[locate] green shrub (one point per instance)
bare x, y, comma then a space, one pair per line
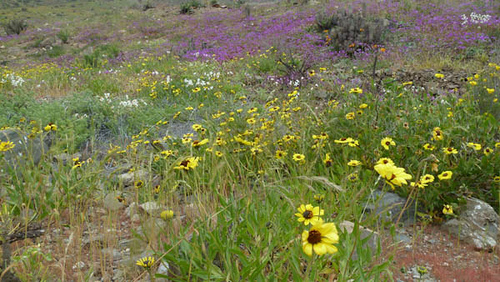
15, 26
186, 9
345, 28
55, 51
64, 36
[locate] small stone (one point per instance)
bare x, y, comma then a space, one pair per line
79, 265
113, 202
152, 208
135, 218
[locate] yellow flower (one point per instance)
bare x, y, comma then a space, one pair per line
251, 121
343, 140
450, 150
6, 146
50, 127
386, 142
418, 184
280, 154
487, 151
428, 147
319, 198
197, 89
138, 184
474, 146
219, 154
439, 75
354, 163
437, 134
320, 239
167, 153
188, 163
392, 174
445, 175
363, 106
356, 90
497, 145
196, 127
473, 83
309, 214
353, 143
327, 161
428, 178
490, 90
447, 209
496, 179
197, 143
350, 115
146, 262
167, 214
299, 158
353, 177
385, 161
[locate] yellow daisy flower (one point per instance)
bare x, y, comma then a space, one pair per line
320, 239
309, 214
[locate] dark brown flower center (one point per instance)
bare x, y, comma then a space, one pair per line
392, 176
307, 214
314, 237
445, 174
387, 143
185, 163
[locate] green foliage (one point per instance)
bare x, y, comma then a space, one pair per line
55, 51
15, 26
186, 9
345, 28
64, 35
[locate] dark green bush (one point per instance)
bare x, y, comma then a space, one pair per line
346, 28
15, 26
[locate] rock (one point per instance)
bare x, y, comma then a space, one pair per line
131, 210
477, 225
65, 158
388, 206
421, 273
129, 178
402, 238
25, 149
348, 226
47, 42
163, 270
79, 265
114, 201
152, 208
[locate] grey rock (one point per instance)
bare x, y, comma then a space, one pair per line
388, 206
112, 201
402, 238
129, 178
348, 226
65, 158
79, 265
152, 208
26, 149
477, 225
424, 277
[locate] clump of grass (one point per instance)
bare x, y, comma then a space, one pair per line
15, 26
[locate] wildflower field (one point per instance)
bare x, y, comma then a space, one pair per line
243, 141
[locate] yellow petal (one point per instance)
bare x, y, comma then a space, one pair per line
307, 248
